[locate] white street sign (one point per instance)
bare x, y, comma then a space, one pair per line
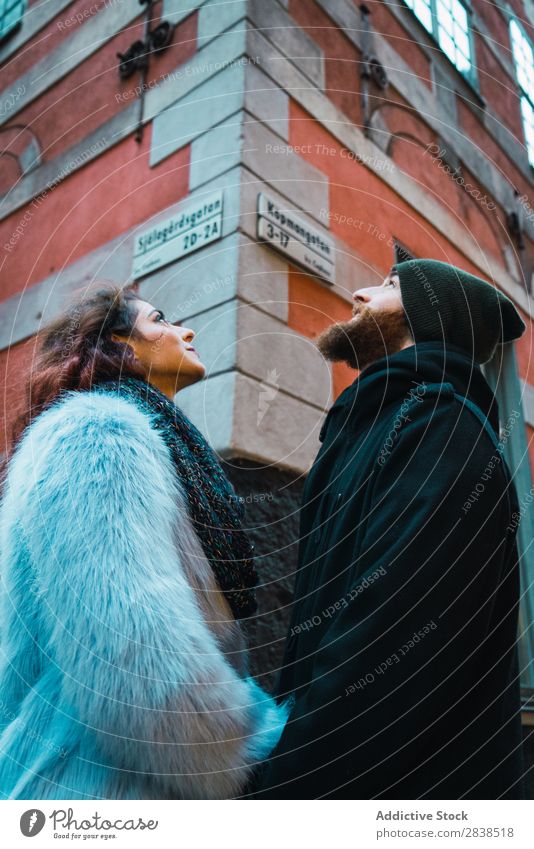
195, 225
295, 238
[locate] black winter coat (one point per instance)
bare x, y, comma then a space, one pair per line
402, 650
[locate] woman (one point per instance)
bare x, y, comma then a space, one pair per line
124, 571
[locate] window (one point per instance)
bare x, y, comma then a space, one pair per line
453, 33
528, 126
524, 68
401, 253
501, 374
448, 22
11, 12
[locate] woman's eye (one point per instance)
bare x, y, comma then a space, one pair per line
161, 317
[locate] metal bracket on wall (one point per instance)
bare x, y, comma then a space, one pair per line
136, 57
516, 229
371, 70
513, 223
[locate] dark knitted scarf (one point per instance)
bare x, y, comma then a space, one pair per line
215, 509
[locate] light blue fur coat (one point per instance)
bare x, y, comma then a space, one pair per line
122, 671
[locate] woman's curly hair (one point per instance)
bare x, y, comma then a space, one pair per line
76, 351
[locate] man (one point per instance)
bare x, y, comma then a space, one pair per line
402, 656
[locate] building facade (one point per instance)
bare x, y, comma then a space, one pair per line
246, 166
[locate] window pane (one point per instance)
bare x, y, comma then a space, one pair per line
453, 33
524, 59
421, 8
462, 62
447, 45
459, 15
528, 125
445, 20
461, 39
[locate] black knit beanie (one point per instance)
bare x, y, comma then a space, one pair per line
443, 302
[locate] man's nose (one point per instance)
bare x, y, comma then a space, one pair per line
361, 296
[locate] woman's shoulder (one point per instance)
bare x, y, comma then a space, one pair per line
89, 425
76, 410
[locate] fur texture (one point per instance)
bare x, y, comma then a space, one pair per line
122, 672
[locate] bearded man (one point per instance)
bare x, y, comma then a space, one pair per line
402, 659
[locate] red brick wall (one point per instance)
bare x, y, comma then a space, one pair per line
378, 214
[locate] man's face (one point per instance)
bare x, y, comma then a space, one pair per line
378, 327
385, 298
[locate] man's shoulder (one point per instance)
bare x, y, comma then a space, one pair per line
437, 412
443, 402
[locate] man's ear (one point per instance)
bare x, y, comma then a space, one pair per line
409, 333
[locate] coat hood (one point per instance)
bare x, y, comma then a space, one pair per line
389, 380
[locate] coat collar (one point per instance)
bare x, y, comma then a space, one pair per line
390, 379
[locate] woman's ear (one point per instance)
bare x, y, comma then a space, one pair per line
124, 340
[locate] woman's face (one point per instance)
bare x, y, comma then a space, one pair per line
164, 349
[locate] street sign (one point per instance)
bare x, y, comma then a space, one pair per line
292, 236
197, 224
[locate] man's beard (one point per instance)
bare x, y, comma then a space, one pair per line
369, 337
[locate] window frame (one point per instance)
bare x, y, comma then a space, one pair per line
401, 252
523, 93
471, 76
18, 23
